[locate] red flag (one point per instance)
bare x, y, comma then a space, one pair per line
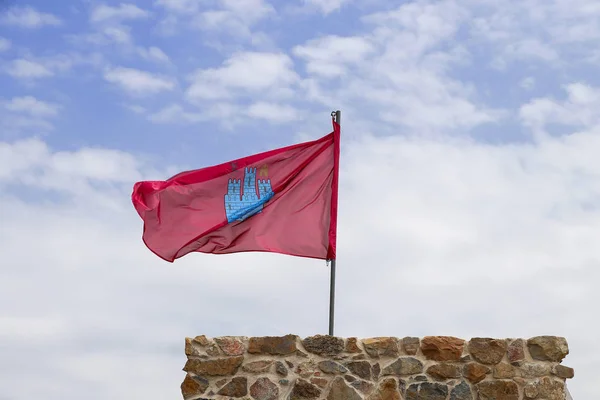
280, 201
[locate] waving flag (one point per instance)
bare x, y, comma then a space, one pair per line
280, 201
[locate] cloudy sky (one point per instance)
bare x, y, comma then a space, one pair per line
470, 180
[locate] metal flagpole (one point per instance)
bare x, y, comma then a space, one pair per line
338, 117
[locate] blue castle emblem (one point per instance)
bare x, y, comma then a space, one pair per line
242, 205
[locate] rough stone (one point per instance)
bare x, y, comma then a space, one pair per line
462, 391
362, 369
193, 386
289, 364
376, 370
563, 372
516, 351
404, 366
237, 387
281, 369
427, 391
411, 345
387, 390
531, 390
486, 350
256, 367
548, 348
284, 382
381, 346
534, 370
363, 386
320, 382
359, 357
504, 371
498, 390
213, 350
475, 372
306, 369
217, 367
323, 345
444, 371
220, 383
275, 345
264, 389
550, 389
442, 348
420, 378
202, 340
190, 348
331, 367
231, 346
352, 345
304, 390
341, 391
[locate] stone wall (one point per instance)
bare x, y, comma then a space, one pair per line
384, 368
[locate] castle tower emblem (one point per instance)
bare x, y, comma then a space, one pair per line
240, 205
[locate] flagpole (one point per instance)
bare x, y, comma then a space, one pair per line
338, 117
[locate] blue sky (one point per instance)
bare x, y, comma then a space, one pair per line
469, 176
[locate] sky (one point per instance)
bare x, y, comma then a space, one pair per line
469, 177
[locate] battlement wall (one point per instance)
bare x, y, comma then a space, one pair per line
382, 368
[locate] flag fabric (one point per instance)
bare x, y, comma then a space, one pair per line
281, 201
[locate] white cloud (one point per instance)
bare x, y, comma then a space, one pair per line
243, 73
125, 11
4, 44
139, 82
26, 69
326, 6
175, 114
32, 106
330, 56
179, 6
153, 53
527, 83
578, 110
272, 112
28, 17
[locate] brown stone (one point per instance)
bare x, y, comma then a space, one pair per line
516, 351
498, 390
411, 345
444, 371
324, 345
442, 348
213, 350
281, 369
341, 391
256, 367
217, 367
362, 369
220, 383
190, 348
504, 371
193, 386
237, 387
320, 382
534, 370
352, 345
231, 346
363, 386
486, 350
376, 369
381, 346
387, 390
548, 348
427, 391
551, 389
331, 367
404, 366
475, 372
306, 369
275, 345
201, 340
304, 390
264, 389
531, 390
563, 372
349, 378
